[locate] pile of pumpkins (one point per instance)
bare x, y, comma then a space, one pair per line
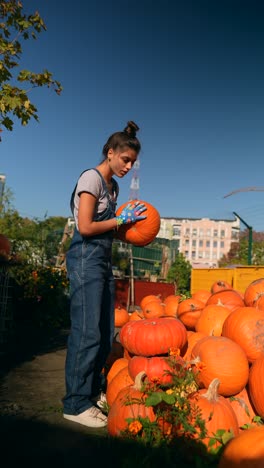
222, 331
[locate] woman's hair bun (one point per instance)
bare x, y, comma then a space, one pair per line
131, 129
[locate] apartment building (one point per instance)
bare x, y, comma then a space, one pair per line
202, 241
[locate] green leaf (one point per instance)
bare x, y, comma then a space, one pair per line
154, 399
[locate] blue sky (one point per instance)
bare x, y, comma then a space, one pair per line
190, 73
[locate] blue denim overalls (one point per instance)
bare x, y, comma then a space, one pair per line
92, 289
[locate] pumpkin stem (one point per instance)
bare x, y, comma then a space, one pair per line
212, 391
139, 380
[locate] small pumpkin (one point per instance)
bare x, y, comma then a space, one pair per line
220, 285
115, 368
228, 298
142, 232
121, 316
189, 310
253, 292
120, 380
211, 319
202, 295
153, 309
171, 303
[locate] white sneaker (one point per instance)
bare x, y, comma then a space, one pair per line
100, 400
92, 417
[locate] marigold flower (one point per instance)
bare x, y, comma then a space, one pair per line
135, 427
200, 366
169, 391
174, 351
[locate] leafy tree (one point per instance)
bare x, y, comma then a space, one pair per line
238, 253
180, 274
16, 26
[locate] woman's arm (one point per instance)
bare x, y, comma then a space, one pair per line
86, 225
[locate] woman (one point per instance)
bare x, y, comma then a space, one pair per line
89, 269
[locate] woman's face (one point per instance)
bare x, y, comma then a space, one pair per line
121, 161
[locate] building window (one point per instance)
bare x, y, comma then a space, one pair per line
215, 233
215, 244
207, 243
200, 243
176, 230
223, 233
200, 254
186, 253
193, 253
187, 231
208, 232
194, 243
235, 233
194, 232
201, 233
187, 242
222, 244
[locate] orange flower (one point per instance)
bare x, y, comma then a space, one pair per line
174, 351
135, 427
200, 365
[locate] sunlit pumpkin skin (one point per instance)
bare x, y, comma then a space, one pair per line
215, 410
153, 309
120, 380
115, 368
245, 326
219, 357
211, 319
253, 292
121, 410
192, 338
243, 408
171, 305
228, 298
256, 385
202, 295
121, 316
136, 315
152, 337
157, 369
149, 298
189, 310
244, 451
220, 285
142, 232
259, 303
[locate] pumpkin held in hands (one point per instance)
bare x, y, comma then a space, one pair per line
142, 232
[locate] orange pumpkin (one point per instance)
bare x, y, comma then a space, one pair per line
228, 298
189, 310
142, 232
202, 295
156, 368
129, 403
153, 309
253, 292
120, 380
171, 303
121, 316
220, 285
219, 357
149, 298
215, 410
244, 451
243, 408
245, 326
136, 315
211, 319
192, 338
151, 337
256, 385
119, 364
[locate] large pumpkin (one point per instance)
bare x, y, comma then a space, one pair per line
151, 337
216, 411
256, 385
245, 326
222, 358
129, 403
253, 292
211, 319
157, 368
244, 451
188, 312
142, 232
228, 298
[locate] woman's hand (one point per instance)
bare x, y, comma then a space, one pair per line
131, 213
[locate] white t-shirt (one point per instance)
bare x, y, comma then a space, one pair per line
91, 182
